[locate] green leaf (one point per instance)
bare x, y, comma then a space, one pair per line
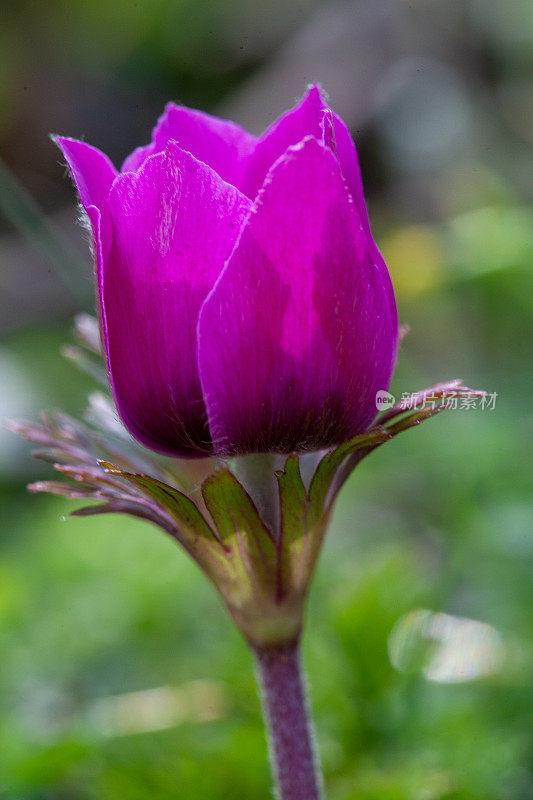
251, 584
296, 538
331, 463
414, 419
240, 526
190, 522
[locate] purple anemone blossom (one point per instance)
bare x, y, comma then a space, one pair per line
244, 306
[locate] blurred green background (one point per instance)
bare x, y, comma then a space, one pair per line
121, 676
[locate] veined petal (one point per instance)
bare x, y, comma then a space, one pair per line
102, 252
137, 157
297, 335
92, 172
305, 119
339, 139
219, 143
175, 223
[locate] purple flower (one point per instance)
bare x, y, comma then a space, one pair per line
244, 306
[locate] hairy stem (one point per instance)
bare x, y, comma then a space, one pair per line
286, 713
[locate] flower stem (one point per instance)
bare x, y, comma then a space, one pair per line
285, 709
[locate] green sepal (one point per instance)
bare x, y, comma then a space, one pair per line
300, 537
251, 581
182, 510
332, 462
192, 530
414, 419
305, 514
238, 523
237, 552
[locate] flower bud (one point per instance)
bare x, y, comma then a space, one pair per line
244, 306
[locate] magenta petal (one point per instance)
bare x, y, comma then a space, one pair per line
138, 156
92, 172
219, 143
175, 223
339, 139
305, 119
297, 336
103, 254
91, 169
